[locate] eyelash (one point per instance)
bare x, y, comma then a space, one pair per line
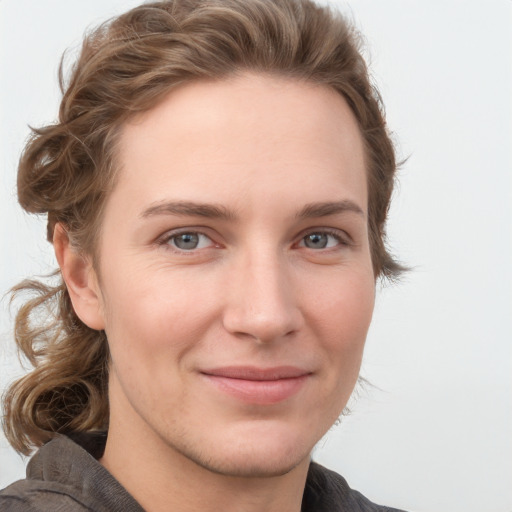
342, 238
166, 240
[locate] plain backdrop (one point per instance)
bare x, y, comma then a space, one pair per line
435, 431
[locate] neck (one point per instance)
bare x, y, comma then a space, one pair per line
160, 478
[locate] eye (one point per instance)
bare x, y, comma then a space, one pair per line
321, 240
189, 241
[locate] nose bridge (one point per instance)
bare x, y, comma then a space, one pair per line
261, 303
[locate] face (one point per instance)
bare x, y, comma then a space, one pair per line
235, 278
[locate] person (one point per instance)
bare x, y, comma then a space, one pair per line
216, 188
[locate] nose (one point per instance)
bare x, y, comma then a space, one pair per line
261, 301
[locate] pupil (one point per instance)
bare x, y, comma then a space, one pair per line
316, 240
186, 241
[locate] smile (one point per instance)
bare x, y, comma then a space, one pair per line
256, 385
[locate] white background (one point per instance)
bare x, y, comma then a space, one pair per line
435, 434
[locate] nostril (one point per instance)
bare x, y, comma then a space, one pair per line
264, 327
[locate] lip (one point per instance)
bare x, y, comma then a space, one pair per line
260, 386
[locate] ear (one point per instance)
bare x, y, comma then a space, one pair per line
81, 280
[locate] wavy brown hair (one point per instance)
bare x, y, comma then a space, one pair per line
126, 66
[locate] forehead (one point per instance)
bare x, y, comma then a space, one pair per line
239, 137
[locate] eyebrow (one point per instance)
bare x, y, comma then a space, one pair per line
189, 208
313, 210
218, 211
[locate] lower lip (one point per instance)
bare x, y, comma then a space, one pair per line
259, 392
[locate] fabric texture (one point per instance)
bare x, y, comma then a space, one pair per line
65, 476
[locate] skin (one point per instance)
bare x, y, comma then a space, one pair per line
260, 290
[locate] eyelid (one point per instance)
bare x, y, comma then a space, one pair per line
164, 239
344, 238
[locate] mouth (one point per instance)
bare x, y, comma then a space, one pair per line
259, 386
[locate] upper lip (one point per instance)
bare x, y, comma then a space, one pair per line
255, 373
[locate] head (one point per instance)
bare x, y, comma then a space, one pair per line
129, 69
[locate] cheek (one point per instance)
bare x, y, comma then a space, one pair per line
148, 310
340, 317
344, 314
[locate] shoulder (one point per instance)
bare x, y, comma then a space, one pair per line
65, 475
327, 491
52, 482
32, 496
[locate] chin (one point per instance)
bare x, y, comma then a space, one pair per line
257, 453
245, 465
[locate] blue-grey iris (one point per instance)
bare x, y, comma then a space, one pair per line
186, 241
316, 240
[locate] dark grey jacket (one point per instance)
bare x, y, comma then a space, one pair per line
65, 476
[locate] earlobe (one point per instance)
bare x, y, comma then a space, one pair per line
81, 280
